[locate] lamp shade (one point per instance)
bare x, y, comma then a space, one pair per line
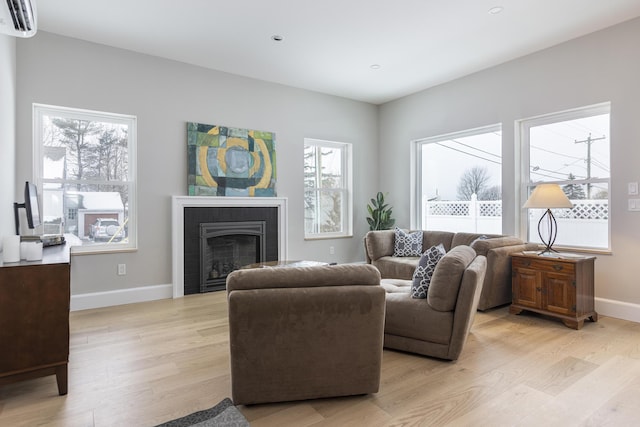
548, 196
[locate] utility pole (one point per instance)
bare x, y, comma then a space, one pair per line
589, 141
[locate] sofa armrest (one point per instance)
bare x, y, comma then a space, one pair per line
378, 244
482, 246
497, 284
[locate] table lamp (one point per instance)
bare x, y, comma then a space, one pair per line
548, 196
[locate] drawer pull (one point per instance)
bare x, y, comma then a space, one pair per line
526, 263
557, 267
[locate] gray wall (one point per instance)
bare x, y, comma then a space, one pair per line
603, 66
164, 95
7, 134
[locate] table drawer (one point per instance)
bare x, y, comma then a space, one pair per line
550, 265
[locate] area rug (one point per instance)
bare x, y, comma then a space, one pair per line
224, 414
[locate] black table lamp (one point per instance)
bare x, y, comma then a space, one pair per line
548, 196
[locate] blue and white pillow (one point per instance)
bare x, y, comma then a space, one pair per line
407, 244
424, 271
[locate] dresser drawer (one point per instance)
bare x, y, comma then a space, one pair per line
547, 265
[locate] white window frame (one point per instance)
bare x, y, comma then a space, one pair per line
523, 127
346, 189
40, 110
416, 167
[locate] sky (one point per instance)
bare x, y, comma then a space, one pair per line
445, 161
557, 150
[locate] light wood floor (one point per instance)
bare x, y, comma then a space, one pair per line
143, 364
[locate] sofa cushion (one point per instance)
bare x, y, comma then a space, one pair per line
407, 244
424, 271
396, 267
432, 238
445, 283
463, 238
393, 286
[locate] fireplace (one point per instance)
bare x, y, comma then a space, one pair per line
226, 222
227, 246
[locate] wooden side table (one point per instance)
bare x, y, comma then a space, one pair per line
34, 318
554, 286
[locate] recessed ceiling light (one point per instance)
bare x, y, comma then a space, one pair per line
495, 10
277, 38
374, 66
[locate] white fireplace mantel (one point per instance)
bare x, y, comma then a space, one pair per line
178, 204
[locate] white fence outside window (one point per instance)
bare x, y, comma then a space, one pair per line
585, 225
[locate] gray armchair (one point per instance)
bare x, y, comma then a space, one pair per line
438, 325
305, 332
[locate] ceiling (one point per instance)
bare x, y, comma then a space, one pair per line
329, 46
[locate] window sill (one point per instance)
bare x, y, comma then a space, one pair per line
326, 237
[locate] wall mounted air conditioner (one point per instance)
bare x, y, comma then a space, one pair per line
18, 18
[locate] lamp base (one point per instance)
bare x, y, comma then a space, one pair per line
548, 251
552, 226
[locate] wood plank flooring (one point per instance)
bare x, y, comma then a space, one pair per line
143, 364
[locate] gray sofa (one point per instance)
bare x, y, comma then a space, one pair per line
438, 325
497, 249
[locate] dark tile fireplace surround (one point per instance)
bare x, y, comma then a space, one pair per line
218, 240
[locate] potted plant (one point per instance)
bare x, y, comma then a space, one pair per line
379, 214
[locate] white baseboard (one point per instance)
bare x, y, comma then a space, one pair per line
604, 307
618, 309
120, 297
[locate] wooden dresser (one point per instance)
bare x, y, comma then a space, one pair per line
34, 318
558, 287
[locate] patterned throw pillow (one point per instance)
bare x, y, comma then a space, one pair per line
424, 271
407, 244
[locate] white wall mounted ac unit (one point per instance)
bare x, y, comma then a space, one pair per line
18, 18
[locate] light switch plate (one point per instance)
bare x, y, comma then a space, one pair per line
632, 188
634, 204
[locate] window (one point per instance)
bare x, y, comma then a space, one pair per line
570, 149
458, 181
84, 165
327, 189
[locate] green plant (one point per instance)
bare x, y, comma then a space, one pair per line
379, 214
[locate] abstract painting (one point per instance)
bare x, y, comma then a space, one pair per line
226, 161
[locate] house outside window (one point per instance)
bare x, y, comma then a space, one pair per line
84, 166
327, 189
458, 181
571, 149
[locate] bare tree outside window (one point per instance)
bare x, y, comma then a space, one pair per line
477, 180
459, 177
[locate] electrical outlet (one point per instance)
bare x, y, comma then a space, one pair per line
122, 269
332, 250
632, 188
